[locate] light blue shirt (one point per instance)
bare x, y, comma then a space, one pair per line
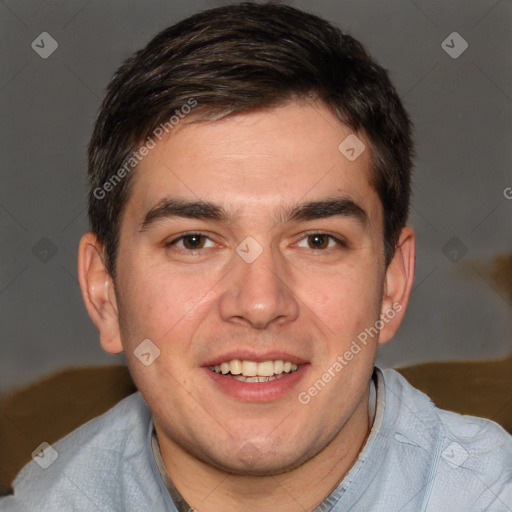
417, 458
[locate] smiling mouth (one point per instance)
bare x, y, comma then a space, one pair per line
252, 371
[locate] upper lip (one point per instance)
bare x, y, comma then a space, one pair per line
252, 356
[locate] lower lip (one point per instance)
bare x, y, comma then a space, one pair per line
258, 391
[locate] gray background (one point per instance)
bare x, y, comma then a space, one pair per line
461, 109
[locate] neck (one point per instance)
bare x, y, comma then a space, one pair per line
208, 489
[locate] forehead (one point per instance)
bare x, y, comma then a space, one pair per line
258, 161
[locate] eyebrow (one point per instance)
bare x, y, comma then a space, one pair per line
169, 208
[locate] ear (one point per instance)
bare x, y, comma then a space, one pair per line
398, 284
98, 292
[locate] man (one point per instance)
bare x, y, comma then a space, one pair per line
249, 190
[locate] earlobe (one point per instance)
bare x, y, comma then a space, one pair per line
98, 294
398, 284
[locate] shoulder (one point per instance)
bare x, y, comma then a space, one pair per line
483, 435
476, 458
93, 465
471, 466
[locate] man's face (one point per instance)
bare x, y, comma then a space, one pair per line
198, 287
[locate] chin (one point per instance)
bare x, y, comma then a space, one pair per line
251, 461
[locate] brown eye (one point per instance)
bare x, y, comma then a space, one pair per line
321, 241
318, 241
191, 242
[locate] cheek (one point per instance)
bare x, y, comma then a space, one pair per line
346, 301
160, 309
164, 307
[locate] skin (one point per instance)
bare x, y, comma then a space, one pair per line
224, 453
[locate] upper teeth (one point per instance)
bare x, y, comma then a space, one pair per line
253, 368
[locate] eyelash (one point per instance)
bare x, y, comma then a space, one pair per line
341, 243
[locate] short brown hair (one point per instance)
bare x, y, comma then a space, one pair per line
242, 57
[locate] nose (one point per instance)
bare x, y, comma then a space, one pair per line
259, 293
